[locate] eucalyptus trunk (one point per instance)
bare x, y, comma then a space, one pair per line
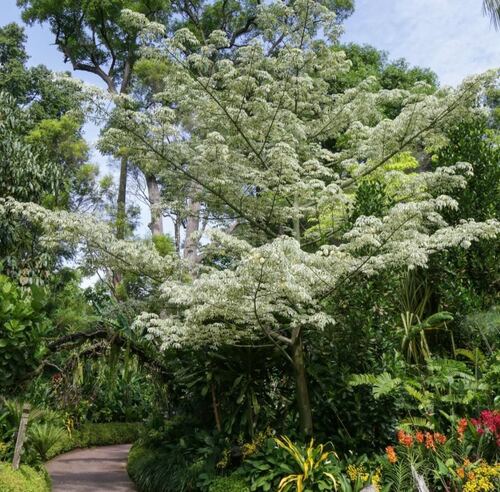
154, 197
121, 211
192, 227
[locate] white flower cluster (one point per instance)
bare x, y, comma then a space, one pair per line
269, 146
94, 239
252, 131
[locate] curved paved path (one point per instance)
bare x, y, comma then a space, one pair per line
100, 469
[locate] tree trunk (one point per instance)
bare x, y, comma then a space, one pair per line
177, 234
121, 206
301, 388
192, 227
156, 224
215, 406
121, 211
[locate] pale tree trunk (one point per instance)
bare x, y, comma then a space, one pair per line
301, 388
192, 228
121, 211
154, 197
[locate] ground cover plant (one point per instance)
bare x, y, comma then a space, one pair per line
324, 315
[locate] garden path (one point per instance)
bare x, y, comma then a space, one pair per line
101, 469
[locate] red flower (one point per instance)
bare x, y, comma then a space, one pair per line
429, 441
439, 438
489, 421
419, 436
405, 439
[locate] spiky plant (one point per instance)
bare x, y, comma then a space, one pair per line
43, 437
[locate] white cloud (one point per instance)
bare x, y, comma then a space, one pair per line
452, 37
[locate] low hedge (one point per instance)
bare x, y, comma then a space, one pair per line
90, 435
232, 483
166, 470
26, 479
162, 470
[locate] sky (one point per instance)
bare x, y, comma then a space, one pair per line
451, 37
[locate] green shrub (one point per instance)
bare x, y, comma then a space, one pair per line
482, 330
105, 434
26, 479
265, 467
89, 435
23, 328
232, 483
163, 470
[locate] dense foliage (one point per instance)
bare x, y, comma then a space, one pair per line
25, 479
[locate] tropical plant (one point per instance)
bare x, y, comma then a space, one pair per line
312, 466
442, 390
43, 437
23, 328
265, 466
415, 326
482, 329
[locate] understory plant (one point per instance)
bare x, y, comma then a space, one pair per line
43, 437
463, 459
312, 464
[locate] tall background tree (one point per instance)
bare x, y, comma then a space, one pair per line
93, 37
44, 157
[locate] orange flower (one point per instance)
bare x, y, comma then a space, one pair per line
462, 425
405, 439
391, 454
419, 436
429, 441
439, 438
461, 473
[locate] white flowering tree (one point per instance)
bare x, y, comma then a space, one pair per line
254, 133
276, 159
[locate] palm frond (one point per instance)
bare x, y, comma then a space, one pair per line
491, 8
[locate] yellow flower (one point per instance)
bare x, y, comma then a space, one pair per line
377, 479
224, 461
3, 448
354, 472
481, 479
248, 449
